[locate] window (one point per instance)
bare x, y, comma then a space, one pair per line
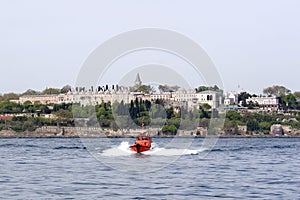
209, 98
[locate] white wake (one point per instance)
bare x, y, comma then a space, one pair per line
124, 150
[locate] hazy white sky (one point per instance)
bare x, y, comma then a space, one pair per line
254, 44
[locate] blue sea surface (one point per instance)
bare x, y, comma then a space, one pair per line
236, 168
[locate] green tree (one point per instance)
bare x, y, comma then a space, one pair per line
158, 111
65, 114
170, 112
122, 109
233, 115
51, 91
45, 109
65, 89
206, 88
252, 125
144, 88
20, 118
202, 88
203, 111
290, 101
169, 129
148, 105
174, 121
10, 96
252, 105
205, 106
31, 92
242, 97
265, 126
10, 107
297, 94
104, 114
276, 90
166, 88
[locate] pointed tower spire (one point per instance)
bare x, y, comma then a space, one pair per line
138, 81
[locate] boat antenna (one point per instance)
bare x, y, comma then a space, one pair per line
143, 125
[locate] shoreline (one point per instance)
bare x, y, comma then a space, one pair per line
157, 137
71, 132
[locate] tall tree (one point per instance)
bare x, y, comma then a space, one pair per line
31, 92
242, 97
276, 90
205, 88
297, 94
166, 88
10, 96
145, 89
202, 88
51, 91
65, 89
290, 101
252, 125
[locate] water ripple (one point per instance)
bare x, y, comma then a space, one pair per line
235, 169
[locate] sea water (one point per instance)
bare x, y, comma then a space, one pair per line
235, 168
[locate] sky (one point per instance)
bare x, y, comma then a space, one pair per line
253, 44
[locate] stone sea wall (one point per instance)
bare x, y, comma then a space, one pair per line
54, 131
65, 132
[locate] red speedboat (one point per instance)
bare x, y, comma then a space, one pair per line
142, 143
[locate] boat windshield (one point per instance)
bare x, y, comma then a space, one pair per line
142, 138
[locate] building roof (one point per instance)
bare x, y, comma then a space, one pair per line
208, 92
5, 117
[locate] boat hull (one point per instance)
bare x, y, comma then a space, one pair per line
142, 143
139, 148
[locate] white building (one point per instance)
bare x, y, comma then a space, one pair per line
193, 99
231, 99
43, 99
190, 98
161, 96
213, 98
265, 103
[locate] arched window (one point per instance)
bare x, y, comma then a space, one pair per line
209, 97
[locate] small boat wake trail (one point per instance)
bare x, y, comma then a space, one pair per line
124, 150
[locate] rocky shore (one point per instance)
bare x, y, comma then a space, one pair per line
71, 132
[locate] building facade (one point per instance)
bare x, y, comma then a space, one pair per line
190, 98
265, 103
43, 99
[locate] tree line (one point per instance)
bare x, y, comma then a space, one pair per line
150, 113
158, 113
287, 99
29, 116
14, 96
